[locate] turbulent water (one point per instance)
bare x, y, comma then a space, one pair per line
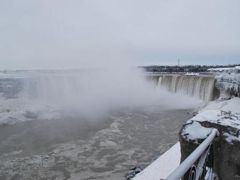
201, 87
75, 149
62, 125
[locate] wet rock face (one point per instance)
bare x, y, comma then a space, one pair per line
226, 148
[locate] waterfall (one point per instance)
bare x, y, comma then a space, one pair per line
201, 87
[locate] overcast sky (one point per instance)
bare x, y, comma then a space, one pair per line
80, 33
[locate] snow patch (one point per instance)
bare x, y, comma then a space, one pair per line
195, 131
226, 113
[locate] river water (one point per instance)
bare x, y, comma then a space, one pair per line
104, 148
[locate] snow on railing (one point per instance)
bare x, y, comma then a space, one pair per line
200, 154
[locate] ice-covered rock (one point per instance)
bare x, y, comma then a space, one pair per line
229, 83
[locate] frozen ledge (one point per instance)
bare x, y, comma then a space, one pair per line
163, 166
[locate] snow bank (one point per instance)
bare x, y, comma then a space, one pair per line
226, 113
222, 112
225, 69
163, 166
195, 131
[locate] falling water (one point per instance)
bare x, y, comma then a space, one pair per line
201, 87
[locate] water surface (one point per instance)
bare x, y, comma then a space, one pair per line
76, 148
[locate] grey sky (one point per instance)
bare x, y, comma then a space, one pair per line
80, 33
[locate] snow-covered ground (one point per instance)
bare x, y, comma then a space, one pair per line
221, 112
226, 69
163, 166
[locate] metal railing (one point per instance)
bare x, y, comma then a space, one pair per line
199, 155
